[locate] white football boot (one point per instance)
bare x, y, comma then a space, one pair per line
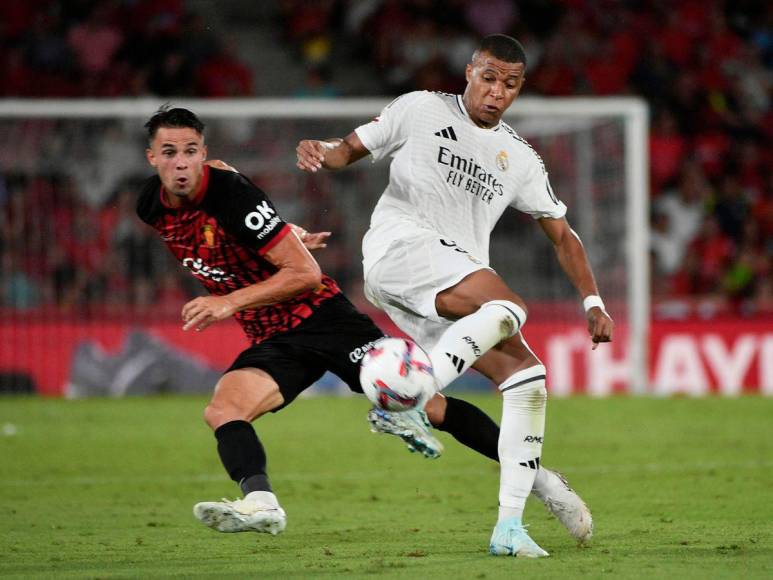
412, 426
259, 511
563, 502
510, 538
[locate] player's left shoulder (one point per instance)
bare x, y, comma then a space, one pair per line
523, 149
438, 103
232, 195
224, 177
230, 184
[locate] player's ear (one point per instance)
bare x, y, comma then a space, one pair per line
468, 72
204, 152
150, 156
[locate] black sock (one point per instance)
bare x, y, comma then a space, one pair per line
243, 456
471, 427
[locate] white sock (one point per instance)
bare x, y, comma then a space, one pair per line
469, 338
520, 438
540, 483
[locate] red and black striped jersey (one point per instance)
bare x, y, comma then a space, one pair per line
221, 237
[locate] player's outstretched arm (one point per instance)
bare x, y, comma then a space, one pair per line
574, 261
297, 272
313, 155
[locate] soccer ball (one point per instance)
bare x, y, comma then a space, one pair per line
396, 375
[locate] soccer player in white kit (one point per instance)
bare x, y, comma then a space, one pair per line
455, 168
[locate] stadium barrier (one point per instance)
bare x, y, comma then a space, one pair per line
691, 358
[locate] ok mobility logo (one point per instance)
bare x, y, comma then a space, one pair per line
468, 175
263, 220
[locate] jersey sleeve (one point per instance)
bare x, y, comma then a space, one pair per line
247, 213
535, 196
385, 134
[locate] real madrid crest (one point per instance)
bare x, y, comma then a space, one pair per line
502, 161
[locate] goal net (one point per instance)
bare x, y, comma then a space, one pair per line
75, 260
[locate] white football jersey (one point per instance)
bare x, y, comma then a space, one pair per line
450, 176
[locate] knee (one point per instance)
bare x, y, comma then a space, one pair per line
242, 395
217, 414
436, 410
511, 316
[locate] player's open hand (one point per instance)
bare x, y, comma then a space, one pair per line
311, 154
600, 326
200, 312
312, 241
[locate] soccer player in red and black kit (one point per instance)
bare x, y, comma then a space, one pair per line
226, 231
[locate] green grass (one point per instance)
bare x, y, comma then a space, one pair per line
104, 489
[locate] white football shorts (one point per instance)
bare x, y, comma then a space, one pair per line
405, 282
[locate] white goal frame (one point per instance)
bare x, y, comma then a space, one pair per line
634, 111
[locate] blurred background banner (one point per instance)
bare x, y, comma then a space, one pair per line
653, 119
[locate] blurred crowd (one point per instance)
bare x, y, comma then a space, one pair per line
103, 259
118, 48
704, 66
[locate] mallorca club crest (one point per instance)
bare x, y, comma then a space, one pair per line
208, 233
207, 240
502, 162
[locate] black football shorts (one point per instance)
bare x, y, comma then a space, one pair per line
334, 338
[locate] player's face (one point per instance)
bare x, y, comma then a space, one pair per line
492, 86
178, 154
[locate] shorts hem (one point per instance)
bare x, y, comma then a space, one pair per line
450, 283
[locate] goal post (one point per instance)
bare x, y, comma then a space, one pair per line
595, 150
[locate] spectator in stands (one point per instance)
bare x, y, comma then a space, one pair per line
172, 75
667, 249
223, 75
490, 16
95, 42
668, 149
684, 208
732, 209
46, 45
318, 84
18, 289
19, 78
708, 256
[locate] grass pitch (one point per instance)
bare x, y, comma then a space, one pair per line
104, 489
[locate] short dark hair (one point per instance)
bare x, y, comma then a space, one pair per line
166, 116
503, 47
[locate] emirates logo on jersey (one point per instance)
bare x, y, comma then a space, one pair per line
502, 161
468, 175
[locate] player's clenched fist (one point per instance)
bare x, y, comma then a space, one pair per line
311, 154
204, 310
600, 326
